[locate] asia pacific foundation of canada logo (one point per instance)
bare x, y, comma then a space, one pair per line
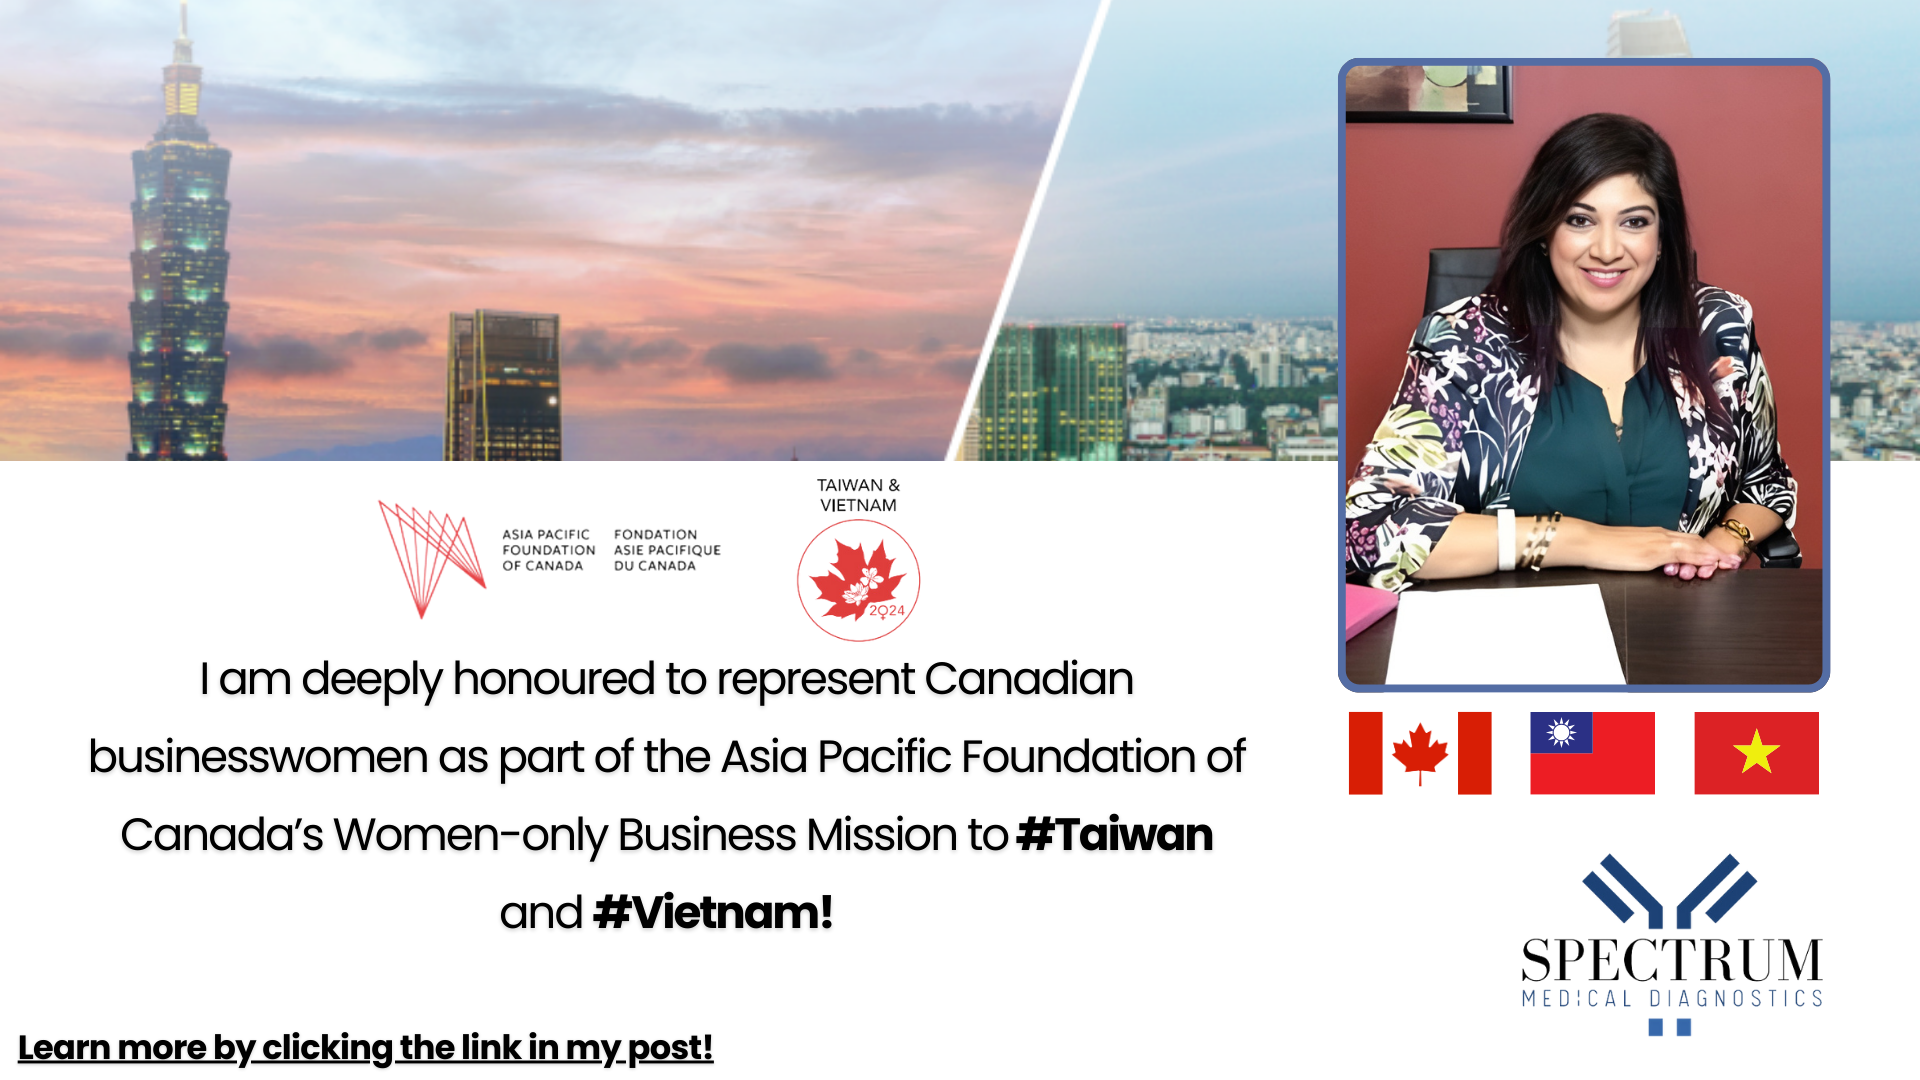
858, 580
425, 542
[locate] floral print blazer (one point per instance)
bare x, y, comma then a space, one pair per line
1459, 424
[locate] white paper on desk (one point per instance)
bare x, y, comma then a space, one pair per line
1541, 634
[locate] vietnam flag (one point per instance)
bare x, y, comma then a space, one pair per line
1740, 753
1373, 751
1592, 753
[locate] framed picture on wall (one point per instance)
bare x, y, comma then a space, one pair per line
1429, 94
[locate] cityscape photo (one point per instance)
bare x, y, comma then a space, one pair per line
358, 231
1194, 208
1164, 389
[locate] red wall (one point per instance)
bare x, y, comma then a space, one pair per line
1749, 144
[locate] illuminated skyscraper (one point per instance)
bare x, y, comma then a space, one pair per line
1054, 393
179, 307
503, 387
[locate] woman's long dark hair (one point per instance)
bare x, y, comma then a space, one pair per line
1576, 157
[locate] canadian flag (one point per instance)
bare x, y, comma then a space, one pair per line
1373, 752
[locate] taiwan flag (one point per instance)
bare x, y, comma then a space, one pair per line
1419, 755
1592, 753
1759, 753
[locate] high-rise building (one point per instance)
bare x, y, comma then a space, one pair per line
503, 387
179, 308
1642, 33
1055, 393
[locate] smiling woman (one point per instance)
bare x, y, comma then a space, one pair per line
1596, 388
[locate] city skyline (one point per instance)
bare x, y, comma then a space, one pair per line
1874, 400
1164, 389
821, 248
785, 247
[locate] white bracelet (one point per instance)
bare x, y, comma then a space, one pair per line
1505, 519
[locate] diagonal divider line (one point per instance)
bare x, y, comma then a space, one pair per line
1026, 230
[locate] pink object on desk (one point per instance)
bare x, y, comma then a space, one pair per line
1366, 605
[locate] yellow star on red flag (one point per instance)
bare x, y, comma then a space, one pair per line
1756, 753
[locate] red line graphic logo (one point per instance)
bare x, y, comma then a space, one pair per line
425, 542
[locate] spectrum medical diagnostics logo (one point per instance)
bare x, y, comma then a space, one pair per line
1656, 913
858, 580
425, 542
1681, 974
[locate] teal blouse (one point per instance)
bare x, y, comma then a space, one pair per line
1574, 465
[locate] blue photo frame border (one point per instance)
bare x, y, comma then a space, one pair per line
1826, 376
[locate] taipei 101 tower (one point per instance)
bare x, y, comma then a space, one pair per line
179, 308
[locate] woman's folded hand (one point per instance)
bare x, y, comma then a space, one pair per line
1680, 554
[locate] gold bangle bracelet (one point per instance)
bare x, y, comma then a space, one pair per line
1539, 542
1740, 532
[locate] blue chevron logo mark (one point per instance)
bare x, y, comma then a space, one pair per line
1655, 912
1707, 885
1634, 889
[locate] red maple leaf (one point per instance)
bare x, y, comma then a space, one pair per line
1419, 754
861, 580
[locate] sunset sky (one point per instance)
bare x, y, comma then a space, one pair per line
764, 227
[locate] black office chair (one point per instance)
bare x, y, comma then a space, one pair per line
1456, 273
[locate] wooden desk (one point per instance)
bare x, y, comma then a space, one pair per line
1750, 626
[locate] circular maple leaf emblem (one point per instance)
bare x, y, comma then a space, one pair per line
858, 580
